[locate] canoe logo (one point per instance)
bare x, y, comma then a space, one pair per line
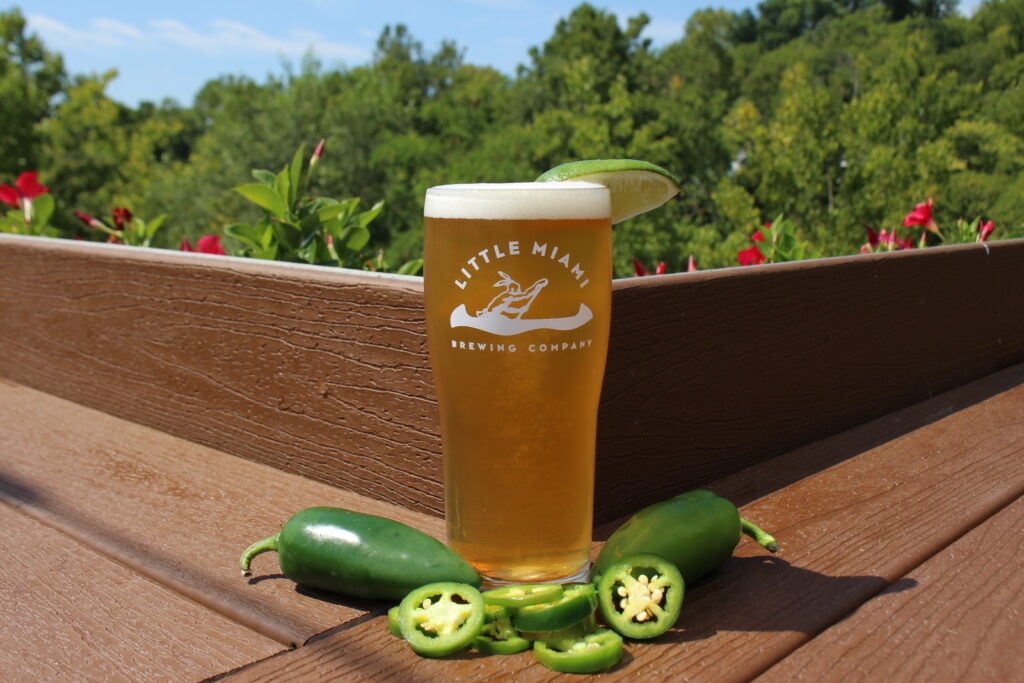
505, 314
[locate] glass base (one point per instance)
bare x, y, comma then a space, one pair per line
582, 576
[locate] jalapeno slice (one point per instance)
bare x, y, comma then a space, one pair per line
641, 595
393, 625
581, 628
441, 618
595, 652
578, 601
523, 595
497, 646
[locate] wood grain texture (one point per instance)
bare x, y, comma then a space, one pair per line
847, 533
957, 617
324, 373
68, 613
178, 512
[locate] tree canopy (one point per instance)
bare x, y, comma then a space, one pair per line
839, 114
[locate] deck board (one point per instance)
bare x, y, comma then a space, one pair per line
179, 512
847, 532
959, 616
69, 613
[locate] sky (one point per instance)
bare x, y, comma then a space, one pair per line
163, 49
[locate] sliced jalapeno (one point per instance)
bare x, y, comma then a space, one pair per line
640, 595
393, 625
581, 628
524, 595
441, 618
578, 602
497, 637
595, 652
497, 646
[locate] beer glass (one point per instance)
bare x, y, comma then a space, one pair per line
518, 298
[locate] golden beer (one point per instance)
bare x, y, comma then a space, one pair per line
518, 298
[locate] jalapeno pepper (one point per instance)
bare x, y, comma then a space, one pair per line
640, 596
393, 626
524, 595
696, 531
573, 632
597, 651
441, 618
497, 637
359, 555
578, 602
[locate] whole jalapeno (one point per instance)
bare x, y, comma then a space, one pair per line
696, 531
359, 555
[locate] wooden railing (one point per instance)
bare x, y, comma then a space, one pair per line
324, 372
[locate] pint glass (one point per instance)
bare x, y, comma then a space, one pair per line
518, 298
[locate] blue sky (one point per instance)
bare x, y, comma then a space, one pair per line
170, 49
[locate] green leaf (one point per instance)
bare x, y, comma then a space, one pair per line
243, 233
283, 186
295, 184
411, 267
42, 209
267, 238
264, 176
356, 238
366, 217
337, 209
264, 197
155, 224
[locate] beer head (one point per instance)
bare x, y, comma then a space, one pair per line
518, 201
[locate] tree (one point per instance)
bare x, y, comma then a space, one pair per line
30, 77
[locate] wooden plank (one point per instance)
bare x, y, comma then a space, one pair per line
846, 533
324, 372
71, 614
176, 511
959, 616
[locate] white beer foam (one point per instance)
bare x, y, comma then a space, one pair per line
511, 201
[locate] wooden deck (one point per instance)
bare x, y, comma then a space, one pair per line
138, 459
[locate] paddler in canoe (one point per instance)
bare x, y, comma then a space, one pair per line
513, 301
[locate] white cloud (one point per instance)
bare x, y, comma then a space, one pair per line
62, 37
221, 36
113, 26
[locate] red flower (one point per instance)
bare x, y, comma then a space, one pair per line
751, 256
26, 187
121, 216
984, 230
640, 271
207, 244
921, 215
887, 239
89, 220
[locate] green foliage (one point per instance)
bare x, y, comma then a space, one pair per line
296, 227
841, 115
32, 219
30, 78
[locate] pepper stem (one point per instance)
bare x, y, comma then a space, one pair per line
269, 543
762, 537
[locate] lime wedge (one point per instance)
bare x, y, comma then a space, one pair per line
635, 186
